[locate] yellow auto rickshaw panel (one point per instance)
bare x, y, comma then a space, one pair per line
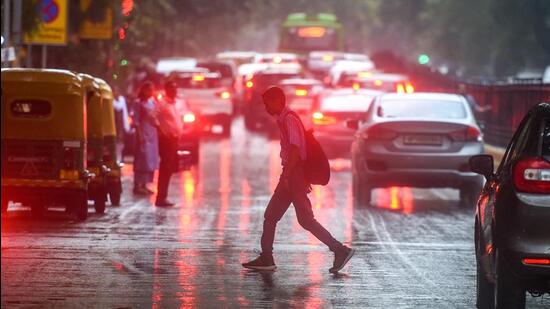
94, 105
42, 105
108, 119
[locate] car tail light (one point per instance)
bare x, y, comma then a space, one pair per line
356, 86
400, 88
378, 83
404, 88
328, 58
321, 119
224, 94
379, 133
364, 74
532, 175
159, 96
198, 78
277, 59
471, 134
189, 118
300, 92
533, 261
249, 84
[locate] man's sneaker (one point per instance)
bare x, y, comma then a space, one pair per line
164, 203
261, 263
341, 257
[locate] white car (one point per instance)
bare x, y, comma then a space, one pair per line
208, 99
276, 58
166, 66
348, 66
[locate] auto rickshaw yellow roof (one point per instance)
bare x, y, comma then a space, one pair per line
40, 75
88, 81
105, 89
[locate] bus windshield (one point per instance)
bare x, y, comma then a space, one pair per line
309, 38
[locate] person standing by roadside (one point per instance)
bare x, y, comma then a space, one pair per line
121, 122
292, 188
146, 159
170, 131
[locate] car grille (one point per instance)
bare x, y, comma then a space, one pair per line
30, 159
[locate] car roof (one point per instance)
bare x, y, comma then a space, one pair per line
300, 81
351, 91
423, 96
282, 55
380, 76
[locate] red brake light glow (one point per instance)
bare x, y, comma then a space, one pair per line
532, 175
311, 32
328, 58
301, 92
409, 88
471, 134
528, 261
381, 134
249, 84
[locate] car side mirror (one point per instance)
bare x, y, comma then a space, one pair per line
352, 124
482, 164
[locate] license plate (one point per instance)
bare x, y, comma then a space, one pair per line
422, 140
218, 129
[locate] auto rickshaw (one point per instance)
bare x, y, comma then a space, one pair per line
114, 183
97, 188
43, 139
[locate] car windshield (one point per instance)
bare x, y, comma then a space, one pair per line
349, 103
546, 141
432, 109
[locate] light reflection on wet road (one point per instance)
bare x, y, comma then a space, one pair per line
415, 248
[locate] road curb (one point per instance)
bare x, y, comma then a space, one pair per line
496, 152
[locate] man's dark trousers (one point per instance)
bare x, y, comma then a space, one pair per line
168, 152
296, 193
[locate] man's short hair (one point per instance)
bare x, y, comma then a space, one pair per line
275, 93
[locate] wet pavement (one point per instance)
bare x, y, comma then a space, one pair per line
414, 249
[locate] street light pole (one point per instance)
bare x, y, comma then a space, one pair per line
6, 25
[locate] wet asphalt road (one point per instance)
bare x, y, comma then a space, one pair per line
414, 249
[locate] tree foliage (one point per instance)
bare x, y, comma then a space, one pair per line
472, 37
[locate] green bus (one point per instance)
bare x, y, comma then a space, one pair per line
302, 33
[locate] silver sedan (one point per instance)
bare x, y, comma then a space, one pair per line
419, 140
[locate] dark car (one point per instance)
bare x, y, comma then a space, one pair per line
255, 116
512, 223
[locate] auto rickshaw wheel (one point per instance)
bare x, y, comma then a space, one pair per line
100, 200
81, 206
114, 195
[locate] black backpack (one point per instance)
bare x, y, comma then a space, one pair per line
316, 166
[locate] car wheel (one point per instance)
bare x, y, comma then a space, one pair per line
361, 192
81, 206
485, 290
4, 205
114, 195
469, 194
508, 291
100, 200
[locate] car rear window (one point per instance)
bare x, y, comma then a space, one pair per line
430, 109
266, 80
224, 69
351, 103
191, 83
546, 140
31, 108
